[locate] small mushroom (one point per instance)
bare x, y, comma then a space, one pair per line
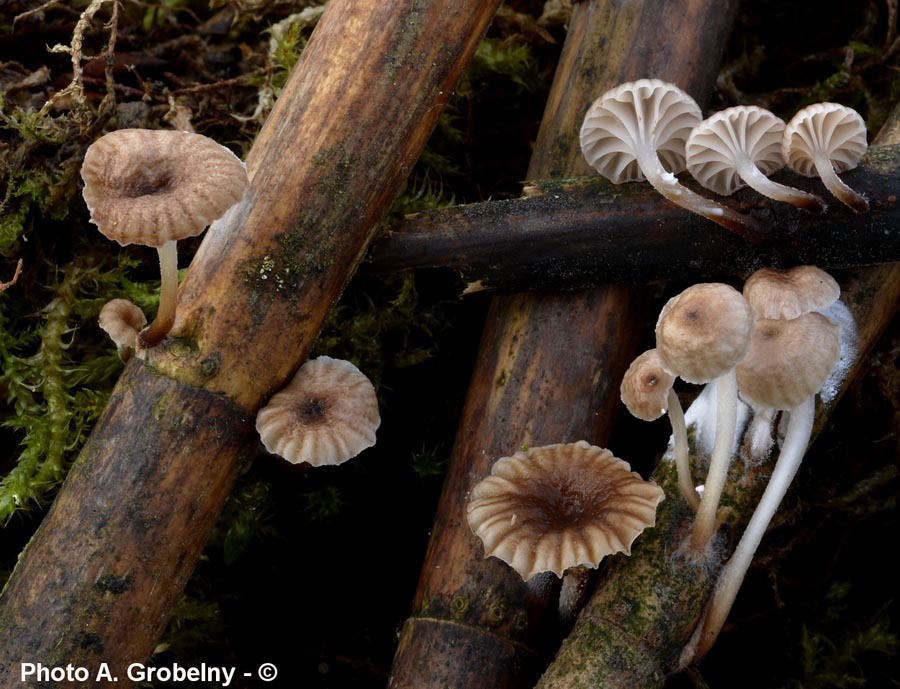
701, 335
790, 293
742, 145
787, 364
637, 131
122, 321
153, 188
327, 414
822, 140
560, 506
648, 393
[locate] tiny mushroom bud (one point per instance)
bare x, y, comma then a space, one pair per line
742, 145
327, 414
647, 392
637, 131
790, 293
560, 506
155, 187
122, 321
824, 139
701, 335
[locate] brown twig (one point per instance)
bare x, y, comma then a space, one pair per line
6, 285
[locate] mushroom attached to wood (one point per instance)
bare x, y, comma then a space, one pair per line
824, 139
122, 321
701, 335
742, 145
154, 187
560, 506
637, 131
327, 414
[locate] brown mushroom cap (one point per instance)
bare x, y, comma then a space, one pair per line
645, 387
704, 331
122, 321
790, 293
788, 360
150, 186
327, 414
560, 506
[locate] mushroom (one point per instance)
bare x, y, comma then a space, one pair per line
637, 131
790, 293
787, 364
153, 188
701, 335
742, 145
560, 506
822, 140
122, 321
327, 414
648, 393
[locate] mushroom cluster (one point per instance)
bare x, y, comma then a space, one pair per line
650, 129
769, 345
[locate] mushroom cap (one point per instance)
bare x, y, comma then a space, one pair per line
645, 387
632, 117
704, 331
560, 506
835, 130
717, 144
788, 360
147, 186
790, 293
122, 321
327, 414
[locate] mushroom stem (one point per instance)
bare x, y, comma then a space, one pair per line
668, 185
682, 453
726, 421
796, 439
165, 314
757, 181
856, 201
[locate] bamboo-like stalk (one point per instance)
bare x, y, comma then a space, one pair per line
629, 636
549, 366
97, 582
576, 233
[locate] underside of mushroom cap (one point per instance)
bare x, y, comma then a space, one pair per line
830, 128
790, 293
151, 186
648, 113
560, 506
327, 414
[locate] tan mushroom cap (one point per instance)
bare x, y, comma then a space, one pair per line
645, 387
704, 331
122, 321
788, 360
632, 116
560, 506
327, 414
790, 293
150, 186
742, 133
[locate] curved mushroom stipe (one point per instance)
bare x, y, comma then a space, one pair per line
168, 290
682, 451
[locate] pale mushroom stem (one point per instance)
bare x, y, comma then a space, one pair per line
165, 315
757, 181
796, 439
856, 201
726, 421
682, 453
668, 185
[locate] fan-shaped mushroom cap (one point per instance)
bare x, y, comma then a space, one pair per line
150, 186
560, 506
824, 139
742, 145
788, 360
704, 331
327, 414
122, 321
790, 293
645, 387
